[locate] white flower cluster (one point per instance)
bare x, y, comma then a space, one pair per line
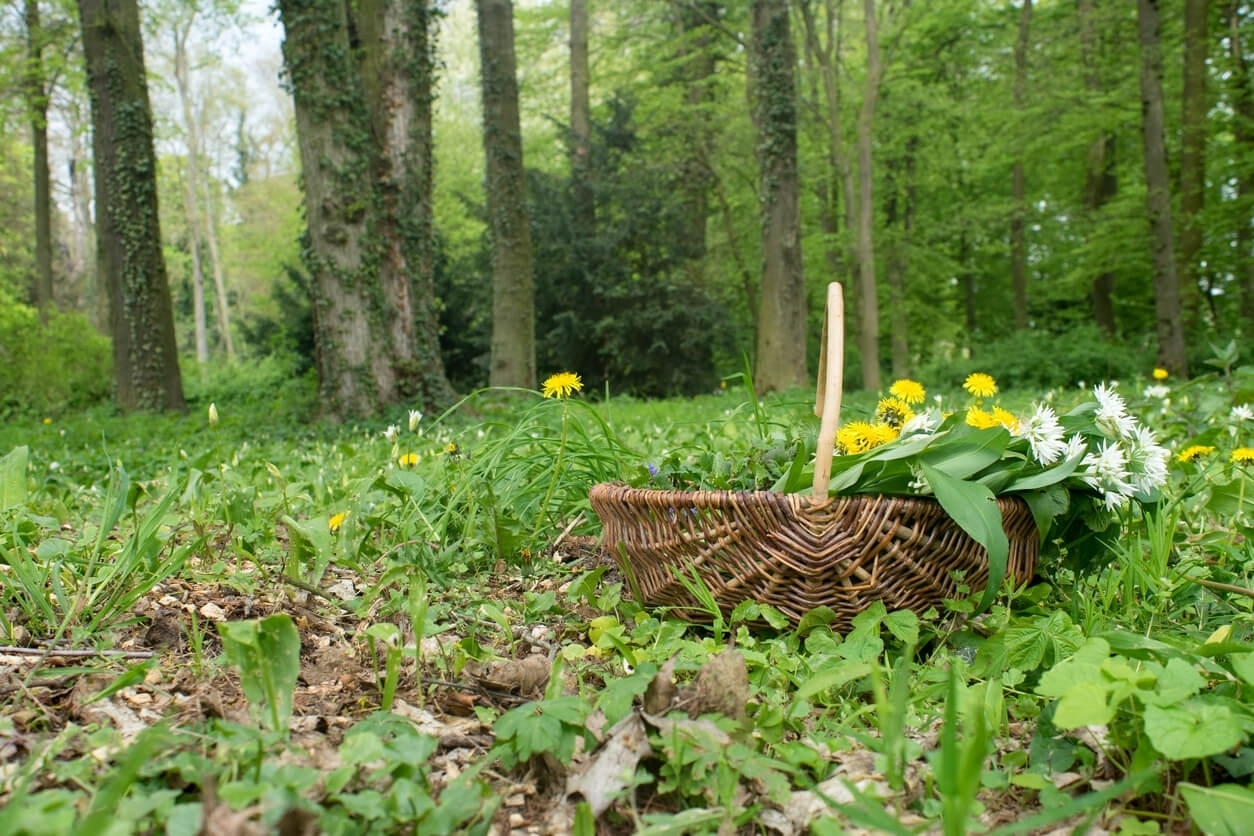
1129, 461
1126, 460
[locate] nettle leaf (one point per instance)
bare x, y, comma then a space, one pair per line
13, 478
974, 508
267, 654
1084, 665
1225, 810
1085, 704
1198, 728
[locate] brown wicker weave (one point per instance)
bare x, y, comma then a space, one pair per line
796, 552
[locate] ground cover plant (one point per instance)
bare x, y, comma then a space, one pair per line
236, 622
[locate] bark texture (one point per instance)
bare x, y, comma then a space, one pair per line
1100, 178
1193, 152
581, 125
781, 357
513, 351
868, 291
361, 79
1243, 133
129, 255
37, 109
1170, 327
1018, 238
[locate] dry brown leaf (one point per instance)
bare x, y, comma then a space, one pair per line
613, 767
722, 686
662, 692
524, 677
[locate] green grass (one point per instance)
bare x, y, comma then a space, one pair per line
461, 644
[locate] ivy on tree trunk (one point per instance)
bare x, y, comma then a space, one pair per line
361, 76
781, 360
128, 234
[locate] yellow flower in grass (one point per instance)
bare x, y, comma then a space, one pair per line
858, 437
1160, 374
336, 521
980, 385
894, 412
408, 460
1243, 455
909, 391
562, 385
1194, 452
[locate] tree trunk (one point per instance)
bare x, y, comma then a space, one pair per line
1243, 140
219, 280
1018, 242
826, 52
581, 126
1100, 178
781, 360
868, 293
182, 28
37, 109
1193, 152
513, 352
900, 208
128, 234
696, 52
1170, 329
364, 136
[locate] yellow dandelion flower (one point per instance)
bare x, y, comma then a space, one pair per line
1194, 452
451, 448
909, 391
885, 433
1006, 418
47, 420
1161, 374
408, 460
893, 411
857, 437
1243, 455
336, 521
981, 419
562, 385
980, 385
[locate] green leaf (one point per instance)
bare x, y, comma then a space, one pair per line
964, 452
267, 653
1225, 810
1045, 478
974, 508
13, 478
1198, 728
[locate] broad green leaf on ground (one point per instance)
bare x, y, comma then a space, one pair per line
1198, 728
974, 508
267, 654
13, 477
1225, 810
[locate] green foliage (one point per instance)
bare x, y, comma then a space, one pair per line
50, 370
267, 654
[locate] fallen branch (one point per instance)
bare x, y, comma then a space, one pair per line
75, 654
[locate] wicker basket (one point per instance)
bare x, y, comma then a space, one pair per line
796, 552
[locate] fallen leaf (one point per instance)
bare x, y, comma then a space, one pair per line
612, 768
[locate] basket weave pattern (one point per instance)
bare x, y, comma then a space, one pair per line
796, 552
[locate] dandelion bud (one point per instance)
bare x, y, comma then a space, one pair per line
213, 415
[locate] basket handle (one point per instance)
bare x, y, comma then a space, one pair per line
831, 374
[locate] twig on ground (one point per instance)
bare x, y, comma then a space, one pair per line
75, 654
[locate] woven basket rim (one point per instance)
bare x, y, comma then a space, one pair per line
745, 495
